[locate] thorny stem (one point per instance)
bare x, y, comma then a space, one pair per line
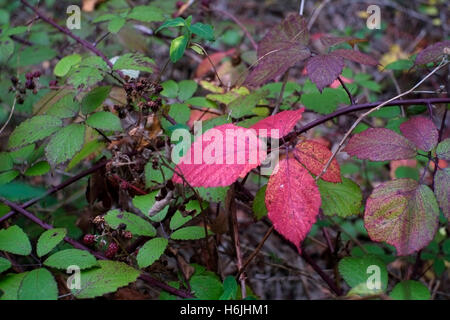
147, 278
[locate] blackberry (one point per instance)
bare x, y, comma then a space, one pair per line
89, 239
112, 250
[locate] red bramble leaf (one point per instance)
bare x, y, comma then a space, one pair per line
280, 49
314, 156
329, 41
421, 131
431, 53
219, 157
402, 213
283, 122
324, 69
355, 56
292, 200
380, 144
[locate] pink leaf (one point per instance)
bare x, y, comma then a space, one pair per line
442, 190
324, 69
292, 200
402, 213
219, 157
355, 56
380, 144
421, 131
314, 156
283, 122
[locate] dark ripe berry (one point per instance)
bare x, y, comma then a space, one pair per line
29, 76
121, 226
145, 111
37, 74
122, 114
163, 192
14, 80
89, 239
29, 84
114, 234
179, 4
158, 88
22, 90
105, 108
112, 250
117, 107
53, 83
20, 100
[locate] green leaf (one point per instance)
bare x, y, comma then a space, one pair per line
105, 121
66, 107
94, 99
410, 290
343, 199
8, 176
244, 105
443, 149
230, 288
259, 204
89, 148
401, 64
6, 48
176, 22
65, 64
10, 285
206, 287
170, 89
177, 47
38, 284
14, 240
187, 89
151, 251
33, 129
135, 224
407, 172
116, 24
134, 61
367, 274
108, 278
65, 143
189, 233
4, 264
104, 17
145, 202
178, 220
146, 14
21, 155
325, 102
202, 30
38, 169
387, 112
6, 162
213, 194
49, 240
65, 258
84, 76
158, 175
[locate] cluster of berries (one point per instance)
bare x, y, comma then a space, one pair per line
21, 89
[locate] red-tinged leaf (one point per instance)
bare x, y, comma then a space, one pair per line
324, 69
421, 131
314, 156
380, 144
281, 48
432, 53
402, 213
205, 66
292, 200
355, 56
443, 149
282, 122
219, 157
442, 190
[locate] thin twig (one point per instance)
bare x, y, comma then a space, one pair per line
280, 97
378, 107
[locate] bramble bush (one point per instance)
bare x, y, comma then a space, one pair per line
163, 159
